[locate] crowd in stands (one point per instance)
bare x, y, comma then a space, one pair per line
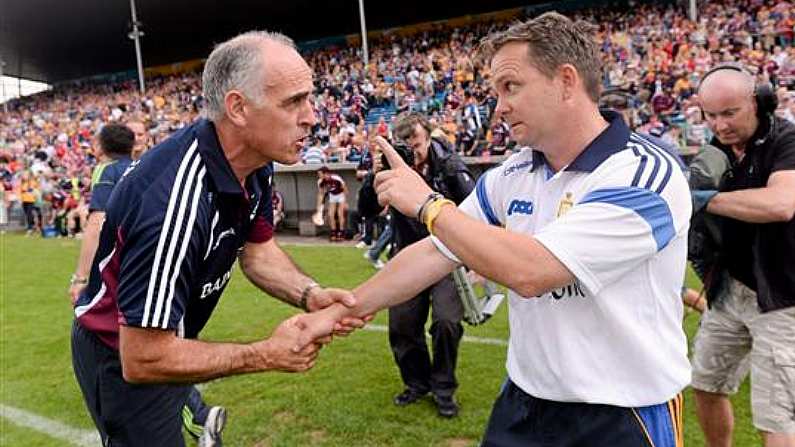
654, 57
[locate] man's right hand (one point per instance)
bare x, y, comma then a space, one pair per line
278, 352
75, 290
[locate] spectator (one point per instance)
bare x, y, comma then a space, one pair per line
333, 186
29, 194
313, 154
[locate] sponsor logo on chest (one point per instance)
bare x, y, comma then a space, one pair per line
520, 207
215, 286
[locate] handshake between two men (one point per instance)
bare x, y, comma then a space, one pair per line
340, 312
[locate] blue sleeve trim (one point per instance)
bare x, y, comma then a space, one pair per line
483, 200
647, 204
641, 167
654, 171
664, 151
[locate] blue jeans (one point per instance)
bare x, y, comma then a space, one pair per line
383, 239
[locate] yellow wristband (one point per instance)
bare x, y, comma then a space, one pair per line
432, 211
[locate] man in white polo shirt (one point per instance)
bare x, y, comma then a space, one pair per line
588, 231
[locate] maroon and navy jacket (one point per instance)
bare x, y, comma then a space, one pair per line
174, 226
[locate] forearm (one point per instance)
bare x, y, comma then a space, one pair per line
517, 261
413, 270
274, 272
89, 245
758, 205
178, 360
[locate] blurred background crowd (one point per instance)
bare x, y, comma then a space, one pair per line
654, 57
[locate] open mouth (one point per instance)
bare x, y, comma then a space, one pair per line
301, 142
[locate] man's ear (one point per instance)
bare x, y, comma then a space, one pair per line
569, 79
235, 105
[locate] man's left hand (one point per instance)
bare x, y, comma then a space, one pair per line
401, 187
322, 298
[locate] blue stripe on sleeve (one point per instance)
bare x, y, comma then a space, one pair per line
654, 171
650, 147
647, 204
641, 167
483, 200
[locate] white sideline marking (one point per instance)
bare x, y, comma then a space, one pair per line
90, 438
467, 338
74, 436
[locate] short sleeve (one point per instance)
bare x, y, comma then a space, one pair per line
612, 230
785, 152
480, 204
162, 243
101, 189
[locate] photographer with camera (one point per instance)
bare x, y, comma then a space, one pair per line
753, 314
445, 172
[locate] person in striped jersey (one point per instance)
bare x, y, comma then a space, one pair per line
174, 226
117, 145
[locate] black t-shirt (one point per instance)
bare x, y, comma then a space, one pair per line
763, 255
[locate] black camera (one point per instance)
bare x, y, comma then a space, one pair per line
405, 153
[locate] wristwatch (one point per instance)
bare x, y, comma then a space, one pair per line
77, 280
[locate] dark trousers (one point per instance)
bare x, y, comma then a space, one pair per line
32, 215
407, 338
521, 420
125, 414
368, 228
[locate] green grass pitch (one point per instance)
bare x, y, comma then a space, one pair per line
346, 400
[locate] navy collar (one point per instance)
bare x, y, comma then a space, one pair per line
213, 155
612, 140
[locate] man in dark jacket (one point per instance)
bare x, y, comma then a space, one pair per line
755, 317
447, 174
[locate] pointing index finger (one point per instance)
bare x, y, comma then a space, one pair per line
390, 153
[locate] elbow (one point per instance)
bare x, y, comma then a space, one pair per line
139, 367
135, 372
784, 213
247, 263
525, 284
526, 290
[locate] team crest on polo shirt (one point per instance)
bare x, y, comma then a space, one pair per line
565, 204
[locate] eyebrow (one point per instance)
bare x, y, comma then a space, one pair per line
503, 77
730, 109
296, 97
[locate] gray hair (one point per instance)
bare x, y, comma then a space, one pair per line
237, 64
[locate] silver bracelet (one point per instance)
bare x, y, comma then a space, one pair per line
431, 197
